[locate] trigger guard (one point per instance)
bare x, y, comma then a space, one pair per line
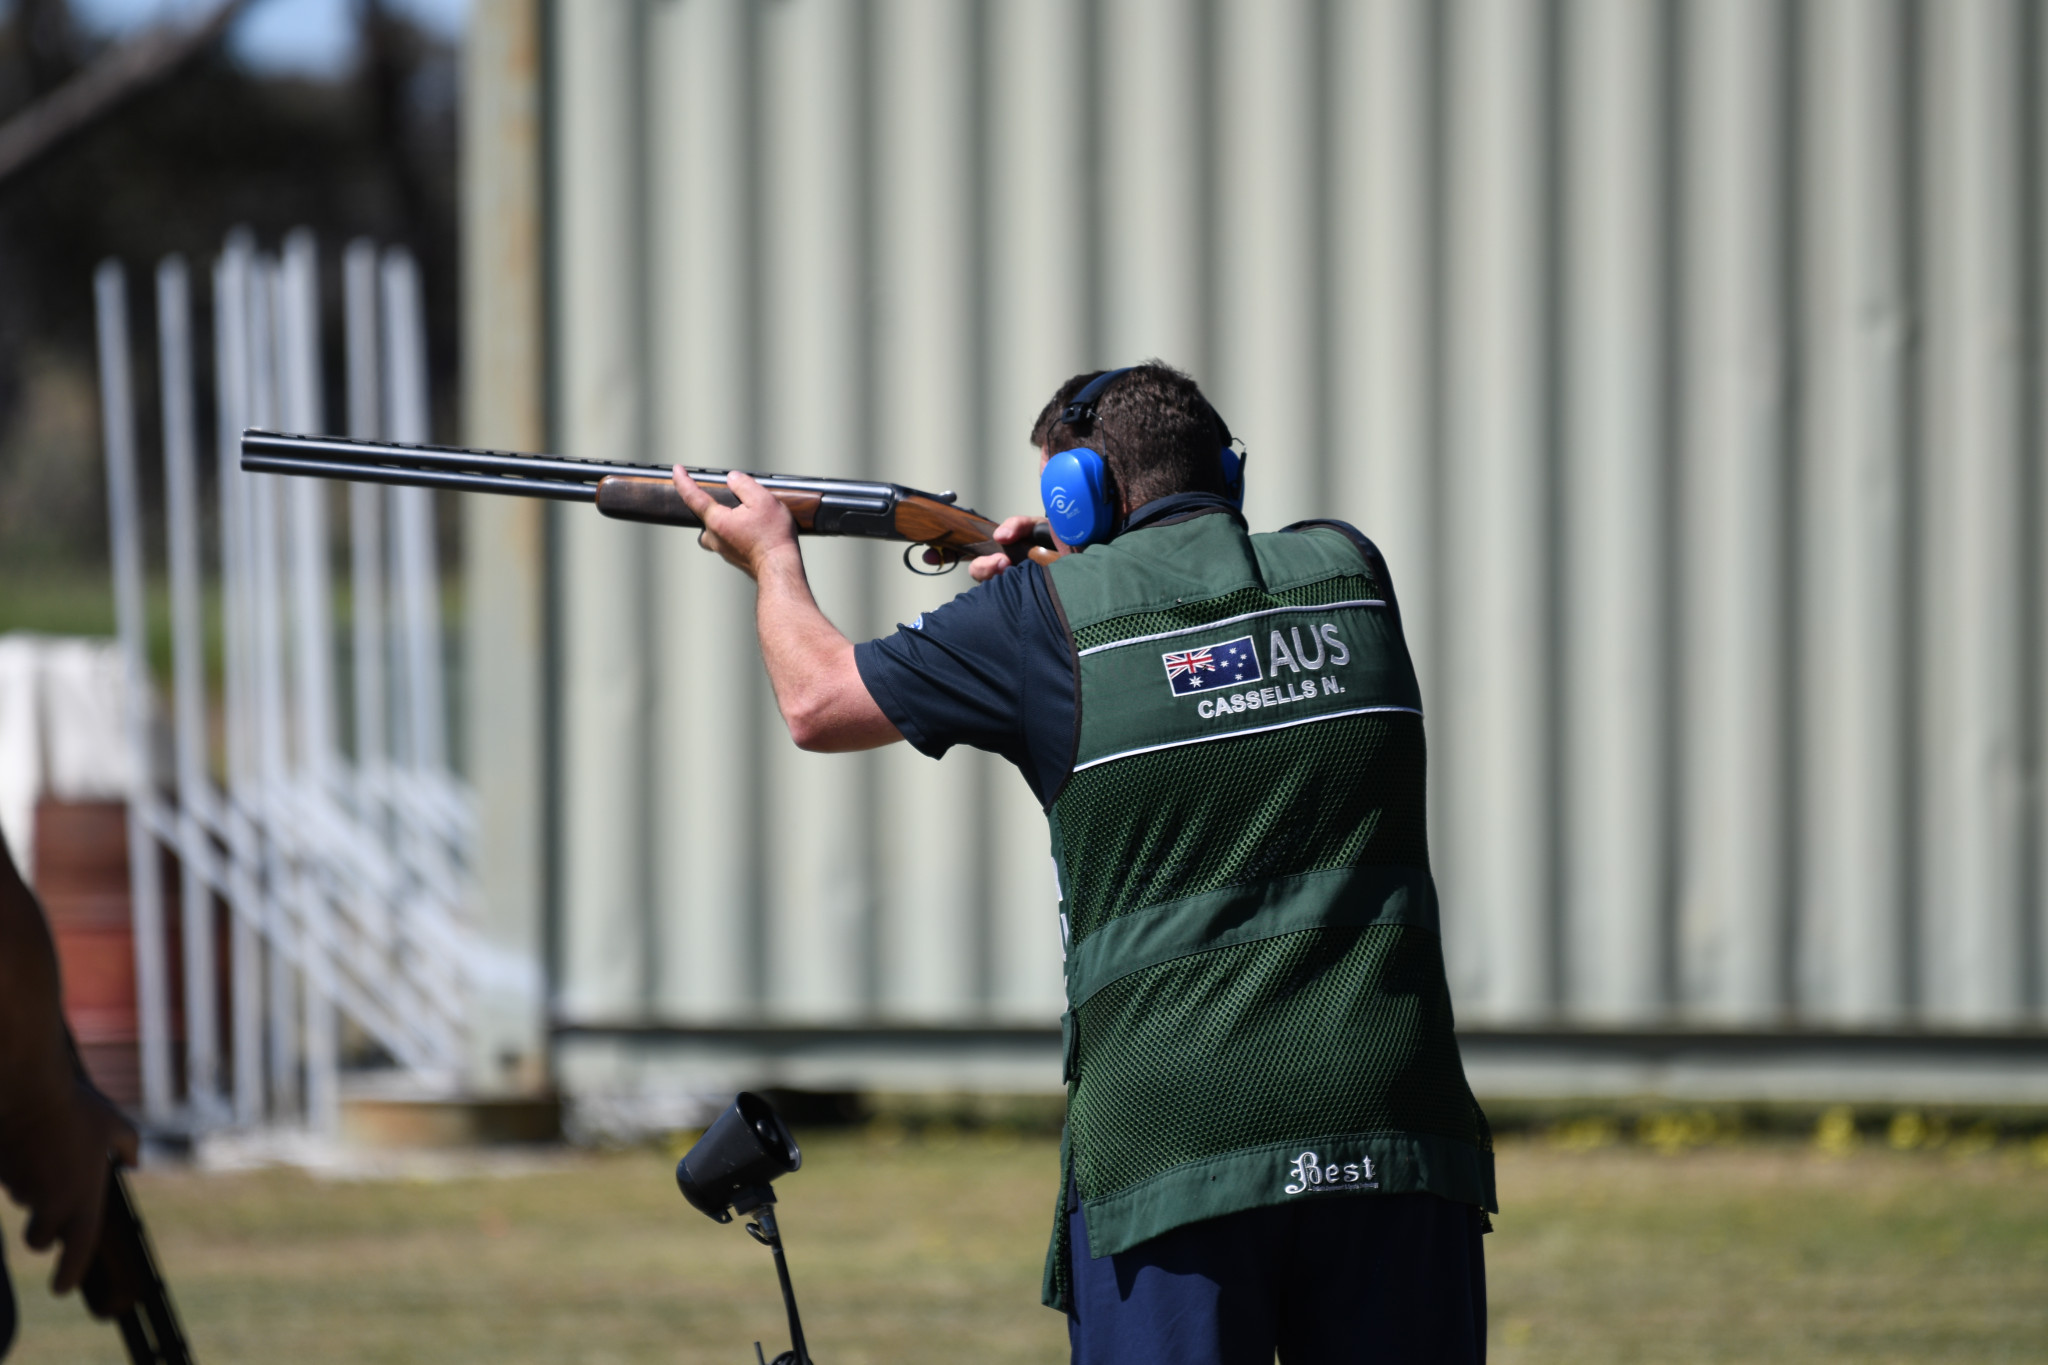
908, 563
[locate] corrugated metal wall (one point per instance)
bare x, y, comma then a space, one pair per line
1684, 358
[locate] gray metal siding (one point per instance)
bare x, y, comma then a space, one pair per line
1684, 358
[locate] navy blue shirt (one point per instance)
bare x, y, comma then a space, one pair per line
994, 668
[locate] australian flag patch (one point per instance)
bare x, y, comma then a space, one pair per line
1213, 667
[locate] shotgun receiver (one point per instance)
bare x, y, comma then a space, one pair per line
637, 492
124, 1284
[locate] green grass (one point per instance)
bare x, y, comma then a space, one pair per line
907, 1252
60, 600
64, 601
928, 1250
79, 600
1770, 1253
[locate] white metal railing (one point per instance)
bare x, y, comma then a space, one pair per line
345, 872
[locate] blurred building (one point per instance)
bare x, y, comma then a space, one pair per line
1684, 358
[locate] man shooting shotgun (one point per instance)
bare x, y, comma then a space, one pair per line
1270, 1143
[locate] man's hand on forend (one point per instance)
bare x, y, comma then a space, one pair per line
746, 536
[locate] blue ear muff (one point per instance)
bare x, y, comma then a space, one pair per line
1075, 487
1233, 477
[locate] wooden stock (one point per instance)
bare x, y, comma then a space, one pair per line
954, 532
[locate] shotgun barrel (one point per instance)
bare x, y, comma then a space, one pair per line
644, 493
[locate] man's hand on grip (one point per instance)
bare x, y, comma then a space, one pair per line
1012, 531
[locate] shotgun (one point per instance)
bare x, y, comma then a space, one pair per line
638, 492
123, 1283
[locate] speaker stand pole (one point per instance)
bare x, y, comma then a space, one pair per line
768, 1235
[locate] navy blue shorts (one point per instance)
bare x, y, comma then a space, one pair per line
1365, 1278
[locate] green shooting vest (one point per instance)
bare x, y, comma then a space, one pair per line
1257, 1011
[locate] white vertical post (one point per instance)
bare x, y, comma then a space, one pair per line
232, 286
372, 689
1614, 511
1990, 895
188, 665
415, 583
1496, 719
266, 574
117, 414
1737, 844
298, 348
1869, 628
313, 660
365, 532
412, 530
21, 705
398, 680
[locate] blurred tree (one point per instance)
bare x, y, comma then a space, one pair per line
215, 146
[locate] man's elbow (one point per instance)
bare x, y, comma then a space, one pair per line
838, 727
813, 726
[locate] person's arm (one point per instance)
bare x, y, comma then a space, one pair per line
810, 664
56, 1130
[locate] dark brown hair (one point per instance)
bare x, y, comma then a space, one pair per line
1153, 426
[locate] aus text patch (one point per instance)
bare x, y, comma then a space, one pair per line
1276, 667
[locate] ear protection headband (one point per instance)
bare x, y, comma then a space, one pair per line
1077, 488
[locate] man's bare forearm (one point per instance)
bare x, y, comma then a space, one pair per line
811, 666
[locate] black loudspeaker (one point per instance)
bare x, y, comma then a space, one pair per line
737, 1158
731, 1169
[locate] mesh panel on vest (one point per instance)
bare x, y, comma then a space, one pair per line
1346, 588
1326, 1031
1337, 793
